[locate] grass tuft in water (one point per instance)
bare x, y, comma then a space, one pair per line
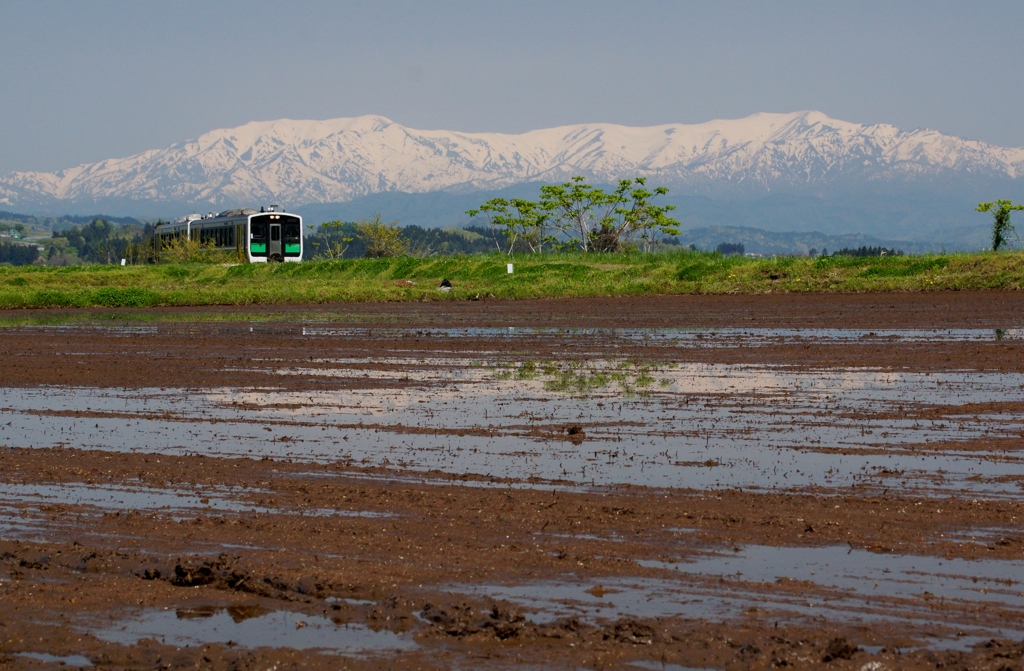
582, 379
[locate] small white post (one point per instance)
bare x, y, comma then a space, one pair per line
123, 261
510, 269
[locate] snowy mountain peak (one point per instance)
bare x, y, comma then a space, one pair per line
334, 160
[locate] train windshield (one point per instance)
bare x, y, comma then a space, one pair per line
270, 228
258, 238
291, 229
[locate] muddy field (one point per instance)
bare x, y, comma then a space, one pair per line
653, 483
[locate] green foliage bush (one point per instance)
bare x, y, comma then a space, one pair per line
52, 299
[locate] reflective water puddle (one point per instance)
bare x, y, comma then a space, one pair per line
946, 603
664, 425
252, 627
868, 574
661, 666
68, 660
984, 535
325, 325
122, 498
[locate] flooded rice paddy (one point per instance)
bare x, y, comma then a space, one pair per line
660, 424
438, 493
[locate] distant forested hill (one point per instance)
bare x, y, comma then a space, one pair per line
63, 221
768, 243
343, 242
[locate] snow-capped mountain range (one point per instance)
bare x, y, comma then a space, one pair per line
302, 162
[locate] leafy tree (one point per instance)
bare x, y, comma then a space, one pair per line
523, 223
583, 216
864, 250
581, 212
635, 215
422, 242
381, 239
729, 248
18, 254
1001, 226
97, 241
332, 238
101, 241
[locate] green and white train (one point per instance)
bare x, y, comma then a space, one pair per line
257, 237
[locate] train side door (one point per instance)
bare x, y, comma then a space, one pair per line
274, 252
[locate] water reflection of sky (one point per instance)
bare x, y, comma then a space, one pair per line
979, 599
256, 629
693, 425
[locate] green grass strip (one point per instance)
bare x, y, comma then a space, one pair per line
536, 276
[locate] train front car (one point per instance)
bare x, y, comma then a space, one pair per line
275, 236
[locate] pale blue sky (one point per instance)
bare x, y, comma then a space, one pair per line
83, 81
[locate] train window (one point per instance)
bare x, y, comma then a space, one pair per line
292, 234
275, 233
258, 238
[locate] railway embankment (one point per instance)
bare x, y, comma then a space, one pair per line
481, 277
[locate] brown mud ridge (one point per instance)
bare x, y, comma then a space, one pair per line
271, 508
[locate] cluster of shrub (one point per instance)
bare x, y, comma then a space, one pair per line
731, 249
737, 248
18, 254
867, 251
101, 241
374, 238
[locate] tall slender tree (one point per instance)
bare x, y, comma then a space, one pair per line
1001, 226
